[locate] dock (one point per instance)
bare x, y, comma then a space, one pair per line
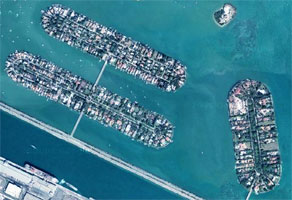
18, 183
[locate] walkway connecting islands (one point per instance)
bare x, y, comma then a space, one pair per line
95, 84
106, 156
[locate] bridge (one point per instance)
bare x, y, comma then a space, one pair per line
101, 154
95, 84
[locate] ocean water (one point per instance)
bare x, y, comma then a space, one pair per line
256, 44
92, 176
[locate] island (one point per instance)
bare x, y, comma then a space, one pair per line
127, 55
31, 183
65, 136
97, 103
255, 137
225, 15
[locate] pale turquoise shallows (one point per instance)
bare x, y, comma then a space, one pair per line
256, 45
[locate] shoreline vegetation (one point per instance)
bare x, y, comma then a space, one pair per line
97, 152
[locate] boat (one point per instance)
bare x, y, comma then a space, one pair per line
40, 173
255, 136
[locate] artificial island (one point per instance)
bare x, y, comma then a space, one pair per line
97, 103
132, 57
224, 15
255, 137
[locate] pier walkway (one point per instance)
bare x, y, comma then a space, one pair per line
101, 154
95, 84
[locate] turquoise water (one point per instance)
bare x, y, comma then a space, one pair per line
94, 177
257, 45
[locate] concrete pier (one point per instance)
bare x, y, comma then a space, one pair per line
114, 160
24, 184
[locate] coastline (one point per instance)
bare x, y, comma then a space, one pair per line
13, 173
97, 152
209, 174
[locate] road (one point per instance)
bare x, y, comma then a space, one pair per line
114, 160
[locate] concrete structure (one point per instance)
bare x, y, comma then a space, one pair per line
18, 183
96, 102
114, 160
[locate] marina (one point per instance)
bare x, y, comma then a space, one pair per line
255, 137
105, 43
97, 103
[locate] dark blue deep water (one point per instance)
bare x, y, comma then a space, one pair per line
91, 175
255, 45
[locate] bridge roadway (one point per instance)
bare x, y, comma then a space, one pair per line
31, 184
101, 154
117, 43
77, 123
95, 84
100, 74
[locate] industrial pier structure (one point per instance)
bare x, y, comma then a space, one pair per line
97, 152
19, 183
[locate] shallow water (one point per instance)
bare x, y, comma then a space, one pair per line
92, 176
255, 45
